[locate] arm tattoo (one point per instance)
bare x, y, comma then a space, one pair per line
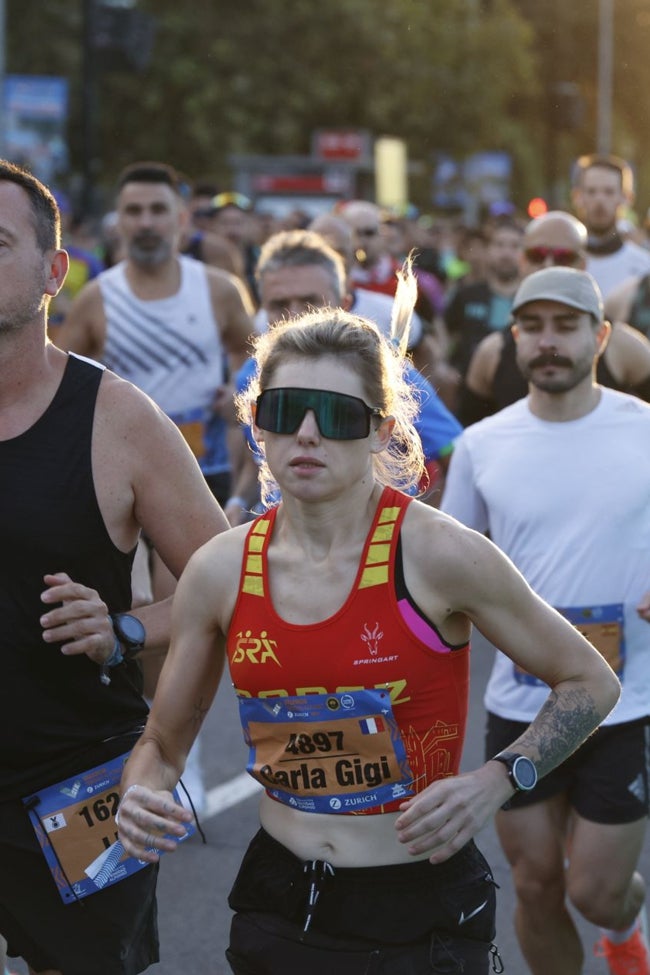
563, 723
200, 711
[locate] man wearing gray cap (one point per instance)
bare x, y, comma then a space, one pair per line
493, 380
561, 480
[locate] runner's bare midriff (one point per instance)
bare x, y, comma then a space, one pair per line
344, 841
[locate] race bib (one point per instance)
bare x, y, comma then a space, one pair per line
603, 626
191, 423
74, 822
327, 753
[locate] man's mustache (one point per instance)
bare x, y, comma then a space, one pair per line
549, 359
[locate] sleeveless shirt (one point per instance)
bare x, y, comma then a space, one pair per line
53, 707
639, 316
376, 640
171, 349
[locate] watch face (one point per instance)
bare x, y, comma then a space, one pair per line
129, 629
525, 773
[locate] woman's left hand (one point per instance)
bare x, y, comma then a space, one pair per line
449, 812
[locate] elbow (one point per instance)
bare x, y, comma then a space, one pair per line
614, 690
608, 691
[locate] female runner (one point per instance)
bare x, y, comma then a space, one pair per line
344, 614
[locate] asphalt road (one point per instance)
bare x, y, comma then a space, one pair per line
194, 882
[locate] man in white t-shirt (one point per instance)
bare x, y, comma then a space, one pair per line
561, 481
604, 185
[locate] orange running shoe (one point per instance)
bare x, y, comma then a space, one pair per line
630, 957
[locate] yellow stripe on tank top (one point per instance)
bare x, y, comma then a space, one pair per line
376, 570
253, 583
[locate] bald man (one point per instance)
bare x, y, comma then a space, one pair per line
493, 378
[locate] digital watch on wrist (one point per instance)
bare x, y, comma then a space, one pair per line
130, 633
521, 770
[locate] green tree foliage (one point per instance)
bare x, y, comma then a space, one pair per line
260, 76
566, 42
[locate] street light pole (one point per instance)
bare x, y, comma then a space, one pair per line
605, 71
90, 107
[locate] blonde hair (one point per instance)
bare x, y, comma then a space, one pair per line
357, 343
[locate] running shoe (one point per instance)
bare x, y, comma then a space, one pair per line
630, 957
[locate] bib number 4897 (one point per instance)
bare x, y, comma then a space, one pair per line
320, 741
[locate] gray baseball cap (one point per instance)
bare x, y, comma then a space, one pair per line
564, 284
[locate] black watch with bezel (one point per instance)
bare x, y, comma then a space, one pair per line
521, 770
130, 632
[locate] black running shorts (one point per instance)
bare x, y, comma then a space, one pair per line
606, 779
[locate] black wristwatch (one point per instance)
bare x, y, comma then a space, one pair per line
130, 632
521, 770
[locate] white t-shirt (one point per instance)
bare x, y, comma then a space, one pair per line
569, 503
610, 270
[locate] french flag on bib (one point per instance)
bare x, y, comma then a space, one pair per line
371, 726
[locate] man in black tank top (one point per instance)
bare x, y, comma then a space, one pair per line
630, 303
86, 462
493, 379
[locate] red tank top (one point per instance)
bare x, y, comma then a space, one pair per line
375, 642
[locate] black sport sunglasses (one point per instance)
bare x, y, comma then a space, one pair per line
339, 416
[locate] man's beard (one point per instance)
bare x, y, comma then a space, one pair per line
506, 274
17, 315
601, 225
557, 382
148, 250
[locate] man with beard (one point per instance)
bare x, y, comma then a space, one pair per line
475, 310
168, 323
604, 185
493, 378
86, 462
561, 482
174, 327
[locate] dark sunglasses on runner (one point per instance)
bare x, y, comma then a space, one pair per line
562, 256
339, 417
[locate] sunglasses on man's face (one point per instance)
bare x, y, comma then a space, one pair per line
339, 417
562, 256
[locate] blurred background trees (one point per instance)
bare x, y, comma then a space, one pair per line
215, 77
